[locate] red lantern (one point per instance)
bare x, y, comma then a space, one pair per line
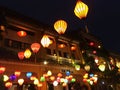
91, 43
61, 45
2, 69
21, 55
21, 33
35, 47
73, 48
8, 84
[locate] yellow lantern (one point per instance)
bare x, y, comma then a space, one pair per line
49, 73
27, 53
102, 67
45, 41
81, 9
87, 67
60, 26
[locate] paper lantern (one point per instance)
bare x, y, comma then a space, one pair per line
2, 69
49, 73
20, 81
40, 85
52, 78
59, 75
35, 47
102, 67
81, 9
8, 84
55, 83
21, 33
36, 81
29, 74
60, 26
77, 67
42, 79
61, 45
17, 73
27, 53
2, 28
73, 48
5, 78
21, 55
45, 41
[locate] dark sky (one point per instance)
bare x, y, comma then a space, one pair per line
102, 20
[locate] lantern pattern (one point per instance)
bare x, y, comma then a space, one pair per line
60, 26
27, 53
21, 55
45, 41
81, 9
21, 33
35, 47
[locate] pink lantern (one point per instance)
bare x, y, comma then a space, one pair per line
21, 55
35, 47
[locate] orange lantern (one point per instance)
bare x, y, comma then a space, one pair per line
2, 69
21, 55
21, 33
17, 73
59, 75
8, 84
61, 45
27, 53
2, 27
73, 48
45, 41
81, 9
35, 47
52, 78
60, 26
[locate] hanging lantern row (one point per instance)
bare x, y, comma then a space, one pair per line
81, 9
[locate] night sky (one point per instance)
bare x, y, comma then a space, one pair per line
103, 19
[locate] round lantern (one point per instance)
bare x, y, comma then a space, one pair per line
35, 47
2, 69
102, 67
81, 9
17, 73
77, 67
45, 41
59, 75
60, 26
21, 55
49, 73
73, 48
2, 27
21, 33
20, 81
29, 74
27, 53
5, 78
8, 84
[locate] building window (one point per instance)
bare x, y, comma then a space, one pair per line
60, 54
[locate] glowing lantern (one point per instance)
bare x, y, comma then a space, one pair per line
94, 51
73, 48
55, 83
32, 78
73, 80
29, 74
12, 77
17, 73
61, 45
2, 69
40, 85
20, 81
60, 26
64, 84
91, 43
8, 84
21, 55
45, 41
102, 67
52, 78
2, 27
87, 67
5, 78
35, 47
77, 67
36, 81
81, 9
96, 60
27, 53
49, 73
59, 75
21, 33
118, 64
42, 79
